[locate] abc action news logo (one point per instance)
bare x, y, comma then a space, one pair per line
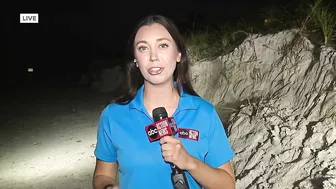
167, 127
159, 129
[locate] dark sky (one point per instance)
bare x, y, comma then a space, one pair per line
71, 34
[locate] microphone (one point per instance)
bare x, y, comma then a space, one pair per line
160, 116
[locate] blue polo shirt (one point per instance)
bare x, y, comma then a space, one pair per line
121, 137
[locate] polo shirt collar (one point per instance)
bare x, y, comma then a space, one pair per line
185, 102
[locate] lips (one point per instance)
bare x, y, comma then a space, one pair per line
155, 70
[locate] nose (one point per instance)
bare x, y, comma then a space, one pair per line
154, 59
153, 56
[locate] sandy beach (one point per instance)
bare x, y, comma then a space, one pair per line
48, 135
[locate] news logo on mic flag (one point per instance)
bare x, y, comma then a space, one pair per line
188, 134
159, 129
172, 124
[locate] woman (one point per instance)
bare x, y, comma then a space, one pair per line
158, 77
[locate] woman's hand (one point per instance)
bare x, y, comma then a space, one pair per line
174, 152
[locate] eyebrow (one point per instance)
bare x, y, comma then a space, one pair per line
159, 39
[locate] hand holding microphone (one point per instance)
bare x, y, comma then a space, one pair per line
172, 148
173, 151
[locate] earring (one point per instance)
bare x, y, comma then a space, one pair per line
136, 64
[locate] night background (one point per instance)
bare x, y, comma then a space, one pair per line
48, 120
70, 35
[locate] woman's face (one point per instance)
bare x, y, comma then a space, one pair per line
156, 54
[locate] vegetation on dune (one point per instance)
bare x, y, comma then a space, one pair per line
315, 20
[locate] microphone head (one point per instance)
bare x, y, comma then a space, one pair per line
159, 113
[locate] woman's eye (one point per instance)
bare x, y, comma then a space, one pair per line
164, 45
142, 48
